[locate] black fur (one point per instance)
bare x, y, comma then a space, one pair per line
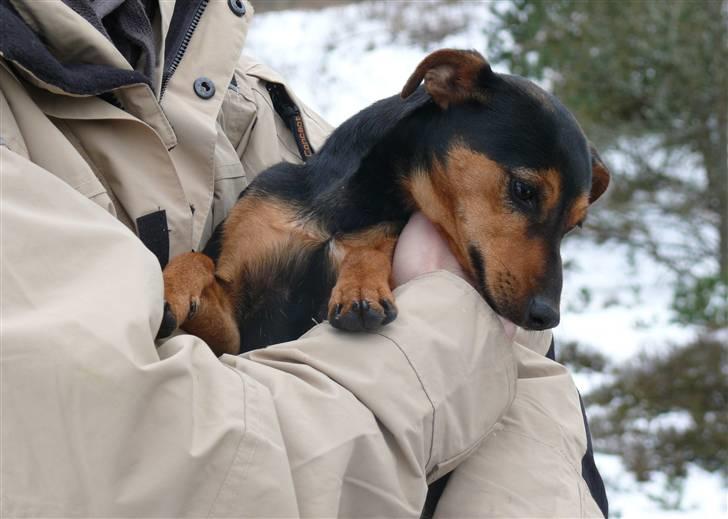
355, 182
280, 308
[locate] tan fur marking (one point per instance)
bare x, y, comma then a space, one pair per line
257, 232
258, 227
467, 198
215, 322
364, 264
431, 195
189, 279
550, 186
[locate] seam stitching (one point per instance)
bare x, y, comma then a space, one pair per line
424, 390
243, 435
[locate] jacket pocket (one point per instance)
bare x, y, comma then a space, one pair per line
238, 114
230, 181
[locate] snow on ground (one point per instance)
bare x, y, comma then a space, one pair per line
628, 306
704, 497
343, 58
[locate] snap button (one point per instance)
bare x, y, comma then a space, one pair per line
204, 87
237, 6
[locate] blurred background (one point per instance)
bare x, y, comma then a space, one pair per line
645, 305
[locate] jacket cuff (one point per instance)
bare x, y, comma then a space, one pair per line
454, 344
457, 346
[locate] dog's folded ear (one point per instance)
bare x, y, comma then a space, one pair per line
600, 175
451, 76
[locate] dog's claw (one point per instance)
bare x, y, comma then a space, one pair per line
193, 308
362, 315
350, 321
371, 318
390, 311
169, 322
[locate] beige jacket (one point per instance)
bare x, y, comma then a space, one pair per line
98, 421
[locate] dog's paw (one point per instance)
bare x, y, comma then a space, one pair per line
169, 323
356, 309
185, 279
170, 320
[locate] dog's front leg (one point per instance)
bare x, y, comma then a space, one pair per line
196, 301
362, 297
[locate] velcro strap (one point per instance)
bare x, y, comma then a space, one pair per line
154, 233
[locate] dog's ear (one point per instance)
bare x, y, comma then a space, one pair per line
600, 175
451, 76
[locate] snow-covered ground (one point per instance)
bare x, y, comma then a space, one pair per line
342, 58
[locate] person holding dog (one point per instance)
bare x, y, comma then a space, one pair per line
127, 130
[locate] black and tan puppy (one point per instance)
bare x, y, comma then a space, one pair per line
499, 165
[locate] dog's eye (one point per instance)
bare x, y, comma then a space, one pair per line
523, 192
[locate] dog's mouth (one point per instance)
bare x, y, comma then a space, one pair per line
478, 267
509, 315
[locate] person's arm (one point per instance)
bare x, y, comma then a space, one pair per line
540, 464
96, 421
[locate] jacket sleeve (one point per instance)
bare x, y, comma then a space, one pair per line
97, 421
540, 464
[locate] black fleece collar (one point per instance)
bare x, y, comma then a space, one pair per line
19, 44
126, 23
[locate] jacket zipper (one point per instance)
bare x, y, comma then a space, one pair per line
182, 47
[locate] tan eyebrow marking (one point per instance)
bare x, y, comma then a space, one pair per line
549, 183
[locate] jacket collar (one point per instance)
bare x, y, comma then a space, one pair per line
71, 56
74, 58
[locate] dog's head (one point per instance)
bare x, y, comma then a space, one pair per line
513, 175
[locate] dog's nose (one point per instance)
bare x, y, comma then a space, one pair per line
541, 315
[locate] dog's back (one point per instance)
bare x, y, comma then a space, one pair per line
499, 165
